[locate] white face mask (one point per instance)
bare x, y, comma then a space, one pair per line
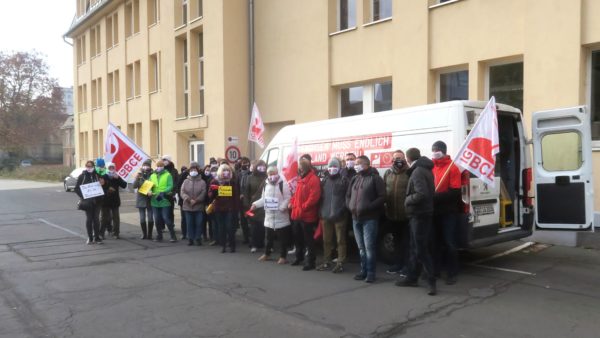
333, 170
145, 168
436, 155
112, 172
166, 162
90, 170
226, 174
350, 164
273, 178
261, 169
213, 173
358, 168
193, 173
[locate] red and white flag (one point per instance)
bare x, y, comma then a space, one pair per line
123, 152
257, 128
290, 167
478, 152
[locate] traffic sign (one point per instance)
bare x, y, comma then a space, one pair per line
232, 153
233, 140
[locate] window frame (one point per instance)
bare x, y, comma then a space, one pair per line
438, 82
372, 7
588, 94
339, 16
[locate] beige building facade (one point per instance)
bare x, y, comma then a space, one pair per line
175, 75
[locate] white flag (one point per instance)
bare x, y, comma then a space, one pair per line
478, 152
256, 131
123, 152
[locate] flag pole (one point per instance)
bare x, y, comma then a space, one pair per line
444, 176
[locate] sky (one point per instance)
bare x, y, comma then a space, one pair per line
39, 25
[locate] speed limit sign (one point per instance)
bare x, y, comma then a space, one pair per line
232, 153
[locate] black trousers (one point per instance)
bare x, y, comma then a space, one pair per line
257, 233
420, 258
92, 222
285, 240
244, 226
304, 240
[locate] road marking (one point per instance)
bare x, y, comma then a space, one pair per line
505, 253
503, 269
61, 228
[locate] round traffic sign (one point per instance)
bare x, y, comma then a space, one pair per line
232, 153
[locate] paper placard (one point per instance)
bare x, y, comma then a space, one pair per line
271, 203
90, 190
225, 191
145, 188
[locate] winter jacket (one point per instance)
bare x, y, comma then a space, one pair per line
86, 178
243, 180
112, 198
224, 203
163, 186
305, 202
193, 188
366, 195
175, 175
447, 198
253, 188
348, 173
420, 190
275, 219
142, 201
333, 197
396, 181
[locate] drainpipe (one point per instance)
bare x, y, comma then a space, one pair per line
251, 145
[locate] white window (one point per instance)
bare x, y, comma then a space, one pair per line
453, 86
346, 14
369, 98
382, 96
381, 9
351, 101
112, 30
132, 18
201, 71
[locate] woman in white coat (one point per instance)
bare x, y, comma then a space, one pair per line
275, 199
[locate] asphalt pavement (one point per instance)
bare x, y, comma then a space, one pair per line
53, 285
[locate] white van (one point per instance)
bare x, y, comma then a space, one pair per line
561, 157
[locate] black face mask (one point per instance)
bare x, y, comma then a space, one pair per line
245, 167
399, 163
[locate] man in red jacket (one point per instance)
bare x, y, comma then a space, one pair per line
446, 207
305, 214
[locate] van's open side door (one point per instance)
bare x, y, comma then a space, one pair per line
562, 152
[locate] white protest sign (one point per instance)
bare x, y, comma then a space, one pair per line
90, 190
271, 203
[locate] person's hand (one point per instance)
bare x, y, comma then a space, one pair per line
102, 181
290, 206
241, 197
192, 201
111, 189
252, 207
149, 194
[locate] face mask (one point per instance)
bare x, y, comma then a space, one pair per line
89, 170
193, 173
166, 162
207, 173
213, 174
333, 170
159, 169
273, 178
226, 174
399, 163
245, 167
350, 164
436, 155
358, 168
261, 169
112, 172
145, 168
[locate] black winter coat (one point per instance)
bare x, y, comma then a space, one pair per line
112, 198
86, 178
333, 197
366, 195
421, 188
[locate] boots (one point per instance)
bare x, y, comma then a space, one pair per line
144, 230
432, 289
150, 228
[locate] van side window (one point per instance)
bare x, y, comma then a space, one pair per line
561, 151
272, 157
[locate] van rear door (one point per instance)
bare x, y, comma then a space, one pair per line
563, 175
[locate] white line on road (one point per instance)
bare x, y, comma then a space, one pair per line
503, 269
61, 228
504, 253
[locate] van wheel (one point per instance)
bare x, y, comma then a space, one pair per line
66, 188
388, 247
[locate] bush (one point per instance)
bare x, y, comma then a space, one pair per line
46, 173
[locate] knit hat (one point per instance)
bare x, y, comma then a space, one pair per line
148, 162
194, 165
334, 162
167, 157
272, 169
307, 157
160, 163
100, 162
439, 146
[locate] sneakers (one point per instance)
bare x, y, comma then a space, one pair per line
360, 276
89, 241
253, 250
338, 268
282, 261
432, 289
292, 252
98, 241
394, 269
190, 242
370, 279
116, 236
324, 266
173, 239
213, 243
264, 258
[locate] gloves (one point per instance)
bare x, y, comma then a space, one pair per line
160, 196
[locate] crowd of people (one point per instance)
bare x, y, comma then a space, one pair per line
420, 197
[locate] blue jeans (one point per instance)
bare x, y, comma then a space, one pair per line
143, 212
193, 220
227, 228
162, 216
365, 233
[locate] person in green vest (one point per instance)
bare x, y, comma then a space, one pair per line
161, 206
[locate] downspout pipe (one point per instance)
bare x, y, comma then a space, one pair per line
251, 145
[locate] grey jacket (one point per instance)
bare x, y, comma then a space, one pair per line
333, 197
141, 201
396, 181
366, 195
193, 188
421, 188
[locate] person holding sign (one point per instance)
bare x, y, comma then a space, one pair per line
274, 200
91, 200
162, 186
226, 198
142, 202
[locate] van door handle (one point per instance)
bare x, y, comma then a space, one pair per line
576, 177
562, 180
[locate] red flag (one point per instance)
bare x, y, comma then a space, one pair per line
290, 167
256, 131
123, 152
478, 152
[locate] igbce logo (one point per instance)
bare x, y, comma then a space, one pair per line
477, 164
123, 156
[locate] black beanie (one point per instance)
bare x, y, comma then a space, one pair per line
441, 146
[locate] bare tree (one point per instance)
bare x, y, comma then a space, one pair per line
31, 102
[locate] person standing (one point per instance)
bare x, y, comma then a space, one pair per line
396, 181
333, 216
419, 208
161, 206
224, 192
183, 175
255, 183
91, 206
105, 223
274, 200
244, 172
170, 167
142, 202
305, 214
348, 170
365, 199
112, 200
193, 194
446, 204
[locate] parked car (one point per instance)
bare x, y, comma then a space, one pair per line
26, 163
71, 180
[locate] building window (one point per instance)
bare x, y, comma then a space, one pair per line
95, 48
154, 72
184, 10
382, 97
381, 9
98, 143
595, 95
96, 93
112, 30
83, 146
156, 132
132, 18
199, 9
153, 12
82, 98
454, 86
133, 80
351, 101
81, 49
113, 87
201, 71
506, 84
186, 94
347, 14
